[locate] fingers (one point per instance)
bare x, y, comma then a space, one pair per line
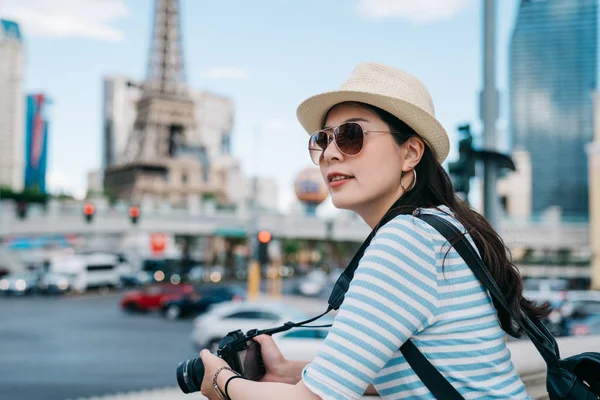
264, 340
204, 353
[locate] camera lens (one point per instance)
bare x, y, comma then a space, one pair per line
189, 375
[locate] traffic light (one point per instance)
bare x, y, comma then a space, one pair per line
264, 238
158, 243
134, 214
463, 170
21, 209
88, 212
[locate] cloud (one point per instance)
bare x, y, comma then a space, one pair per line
421, 11
225, 73
67, 18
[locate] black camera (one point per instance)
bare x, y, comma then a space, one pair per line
236, 349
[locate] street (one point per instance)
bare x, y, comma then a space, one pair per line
57, 348
67, 347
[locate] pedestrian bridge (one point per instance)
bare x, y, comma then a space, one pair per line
60, 219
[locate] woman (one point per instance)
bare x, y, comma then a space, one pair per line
380, 149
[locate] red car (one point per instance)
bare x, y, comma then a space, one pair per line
151, 297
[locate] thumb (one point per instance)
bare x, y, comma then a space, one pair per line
264, 340
204, 353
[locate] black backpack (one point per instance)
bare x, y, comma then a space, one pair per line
573, 378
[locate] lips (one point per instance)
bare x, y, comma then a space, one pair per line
336, 177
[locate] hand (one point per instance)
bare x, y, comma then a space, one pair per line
275, 362
211, 364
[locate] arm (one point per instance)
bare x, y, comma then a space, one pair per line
241, 389
248, 390
281, 370
291, 373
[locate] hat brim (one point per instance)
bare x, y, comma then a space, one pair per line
312, 111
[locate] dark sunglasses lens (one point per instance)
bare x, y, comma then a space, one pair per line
349, 138
316, 145
318, 141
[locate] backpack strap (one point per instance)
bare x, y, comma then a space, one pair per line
429, 375
537, 332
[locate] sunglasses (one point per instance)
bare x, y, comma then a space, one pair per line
348, 138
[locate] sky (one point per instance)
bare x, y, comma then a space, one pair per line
266, 55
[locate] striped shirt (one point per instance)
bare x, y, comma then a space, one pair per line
411, 283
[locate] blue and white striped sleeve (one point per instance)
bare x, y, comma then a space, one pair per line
393, 296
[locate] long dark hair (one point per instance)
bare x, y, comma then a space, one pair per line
433, 189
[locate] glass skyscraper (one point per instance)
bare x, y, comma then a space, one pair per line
553, 72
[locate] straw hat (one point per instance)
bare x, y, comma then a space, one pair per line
390, 89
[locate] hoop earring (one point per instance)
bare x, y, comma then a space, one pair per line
413, 183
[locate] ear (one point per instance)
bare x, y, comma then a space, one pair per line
414, 148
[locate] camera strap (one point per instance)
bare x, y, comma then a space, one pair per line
287, 326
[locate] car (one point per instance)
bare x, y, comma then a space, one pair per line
570, 309
152, 297
313, 284
203, 297
55, 283
209, 328
19, 284
588, 325
302, 344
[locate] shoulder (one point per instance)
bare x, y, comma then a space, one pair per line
402, 245
405, 227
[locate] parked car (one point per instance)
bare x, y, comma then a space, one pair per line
583, 315
302, 344
203, 297
19, 284
135, 279
313, 284
589, 325
571, 309
210, 327
55, 283
153, 297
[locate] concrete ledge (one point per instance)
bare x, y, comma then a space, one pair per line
525, 357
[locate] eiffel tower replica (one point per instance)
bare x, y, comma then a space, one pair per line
164, 121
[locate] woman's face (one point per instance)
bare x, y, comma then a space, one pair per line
373, 176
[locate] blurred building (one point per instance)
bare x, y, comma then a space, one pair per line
162, 142
214, 115
94, 181
553, 70
514, 189
36, 142
208, 165
240, 188
120, 96
12, 115
266, 197
593, 150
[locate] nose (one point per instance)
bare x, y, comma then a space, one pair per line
332, 152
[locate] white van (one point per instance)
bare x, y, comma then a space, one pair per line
88, 270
